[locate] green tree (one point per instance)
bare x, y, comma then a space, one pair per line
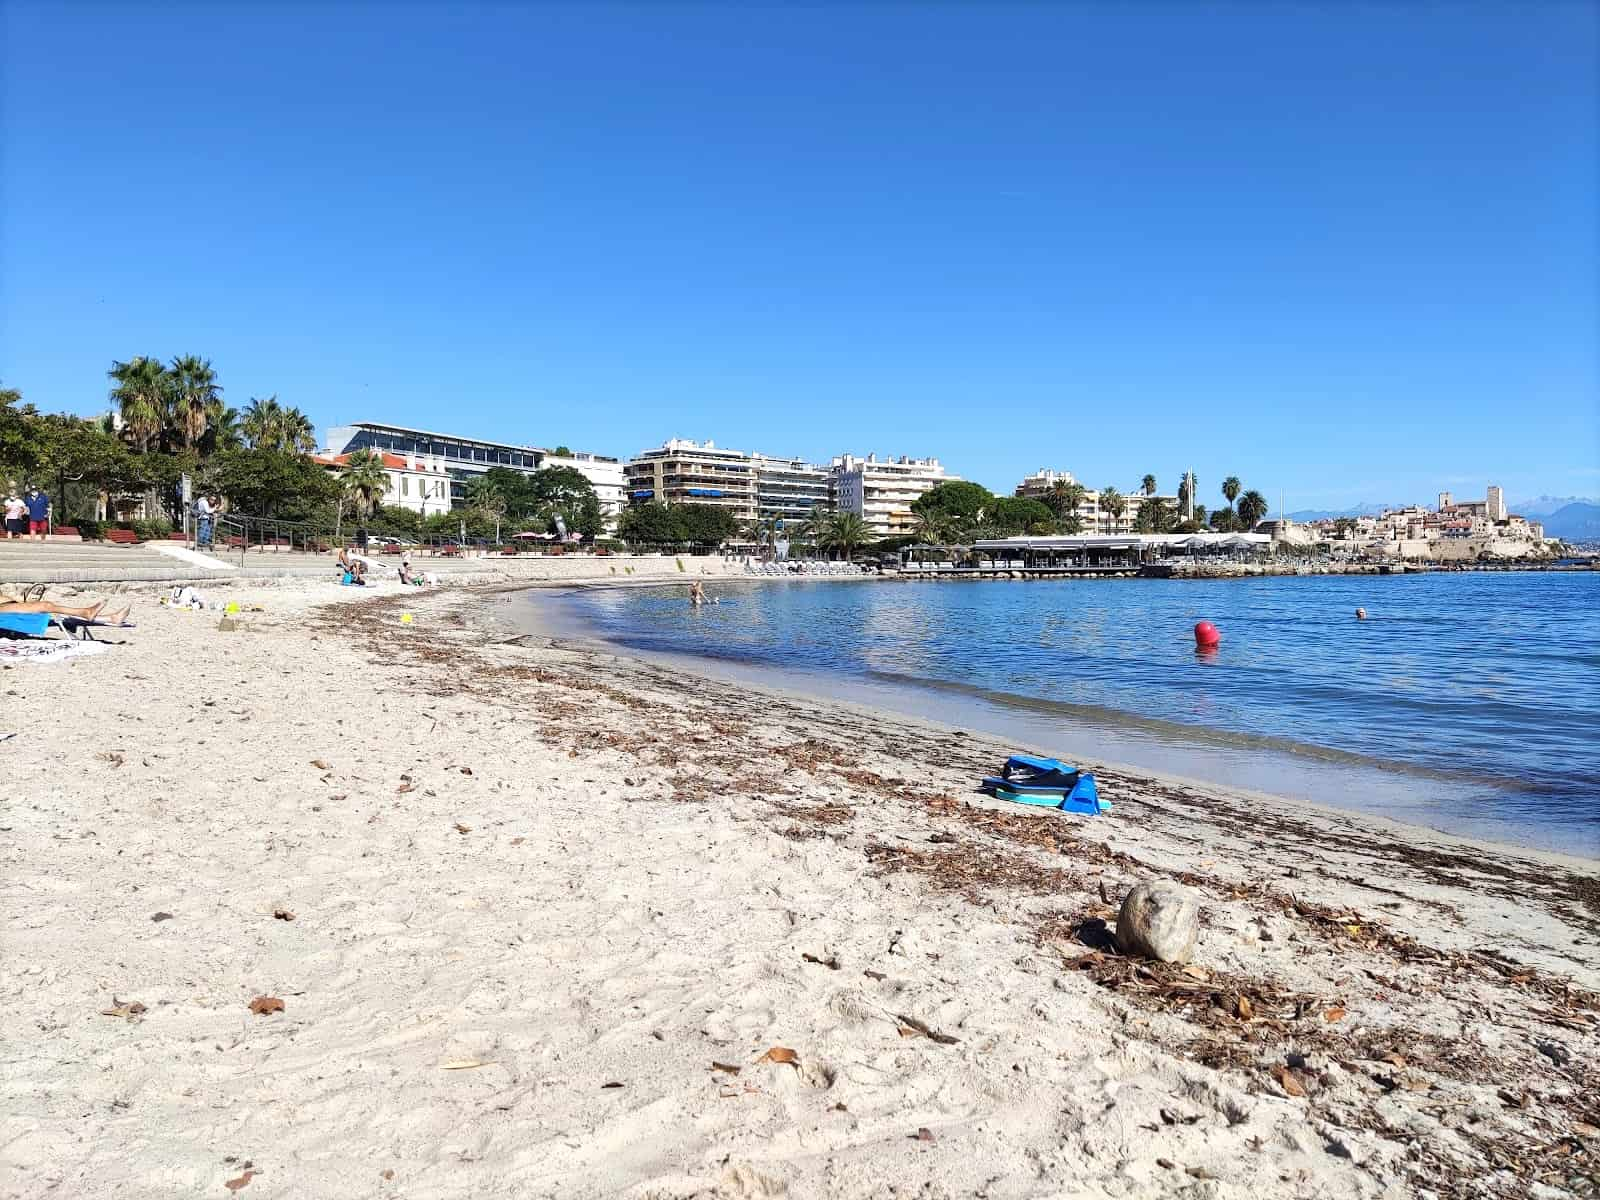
1230, 489
1224, 520
1344, 526
1148, 483
1153, 516
1064, 498
1252, 509
272, 483
1017, 514
650, 524
706, 524
484, 497
140, 394
267, 425
566, 492
958, 501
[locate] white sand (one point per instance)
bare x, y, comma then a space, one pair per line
623, 891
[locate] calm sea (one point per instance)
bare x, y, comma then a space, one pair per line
1468, 702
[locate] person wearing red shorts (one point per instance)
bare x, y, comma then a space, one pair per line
38, 514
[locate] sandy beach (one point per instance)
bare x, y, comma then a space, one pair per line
546, 920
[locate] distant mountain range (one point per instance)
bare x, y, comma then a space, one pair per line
1571, 518
1578, 521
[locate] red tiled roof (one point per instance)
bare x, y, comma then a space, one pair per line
393, 462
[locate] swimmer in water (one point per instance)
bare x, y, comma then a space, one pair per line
697, 594
1361, 614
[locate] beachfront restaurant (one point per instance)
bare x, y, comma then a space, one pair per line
1078, 554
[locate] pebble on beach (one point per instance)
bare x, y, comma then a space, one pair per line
1159, 919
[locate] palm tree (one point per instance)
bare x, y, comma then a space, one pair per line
222, 429
484, 495
262, 423
844, 532
195, 395
140, 395
1230, 489
1113, 502
814, 528
1252, 509
364, 482
1148, 483
299, 435
1064, 498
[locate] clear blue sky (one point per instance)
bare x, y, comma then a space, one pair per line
1348, 251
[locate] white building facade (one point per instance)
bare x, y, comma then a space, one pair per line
680, 471
881, 490
417, 482
791, 490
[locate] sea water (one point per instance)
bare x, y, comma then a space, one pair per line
1465, 701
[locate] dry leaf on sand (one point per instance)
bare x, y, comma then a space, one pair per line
233, 1185
282, 914
726, 1068
1334, 1014
1290, 1082
464, 1064
320, 765
127, 1009
1245, 1009
831, 962
460, 828
781, 1054
916, 1026
263, 1005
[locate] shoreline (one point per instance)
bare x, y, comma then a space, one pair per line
552, 906
1174, 752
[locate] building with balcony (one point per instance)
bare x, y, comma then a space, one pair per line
881, 490
790, 490
684, 472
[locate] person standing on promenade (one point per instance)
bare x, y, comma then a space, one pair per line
16, 516
203, 516
38, 513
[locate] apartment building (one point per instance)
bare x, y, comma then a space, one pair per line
1095, 518
881, 490
684, 472
791, 489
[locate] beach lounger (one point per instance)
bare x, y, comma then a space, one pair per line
77, 627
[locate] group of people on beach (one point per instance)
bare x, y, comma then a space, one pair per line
27, 516
353, 570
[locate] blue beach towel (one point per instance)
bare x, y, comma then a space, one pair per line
24, 624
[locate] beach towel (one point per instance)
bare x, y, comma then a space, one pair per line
46, 650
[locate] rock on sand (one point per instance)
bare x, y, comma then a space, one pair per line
1159, 919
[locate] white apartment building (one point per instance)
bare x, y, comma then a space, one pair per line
881, 490
415, 481
791, 489
683, 472
604, 474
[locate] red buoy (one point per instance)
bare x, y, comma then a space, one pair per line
1205, 634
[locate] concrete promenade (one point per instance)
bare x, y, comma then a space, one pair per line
91, 563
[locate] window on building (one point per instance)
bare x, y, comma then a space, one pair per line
405, 486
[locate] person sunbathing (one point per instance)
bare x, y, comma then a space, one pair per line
13, 600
